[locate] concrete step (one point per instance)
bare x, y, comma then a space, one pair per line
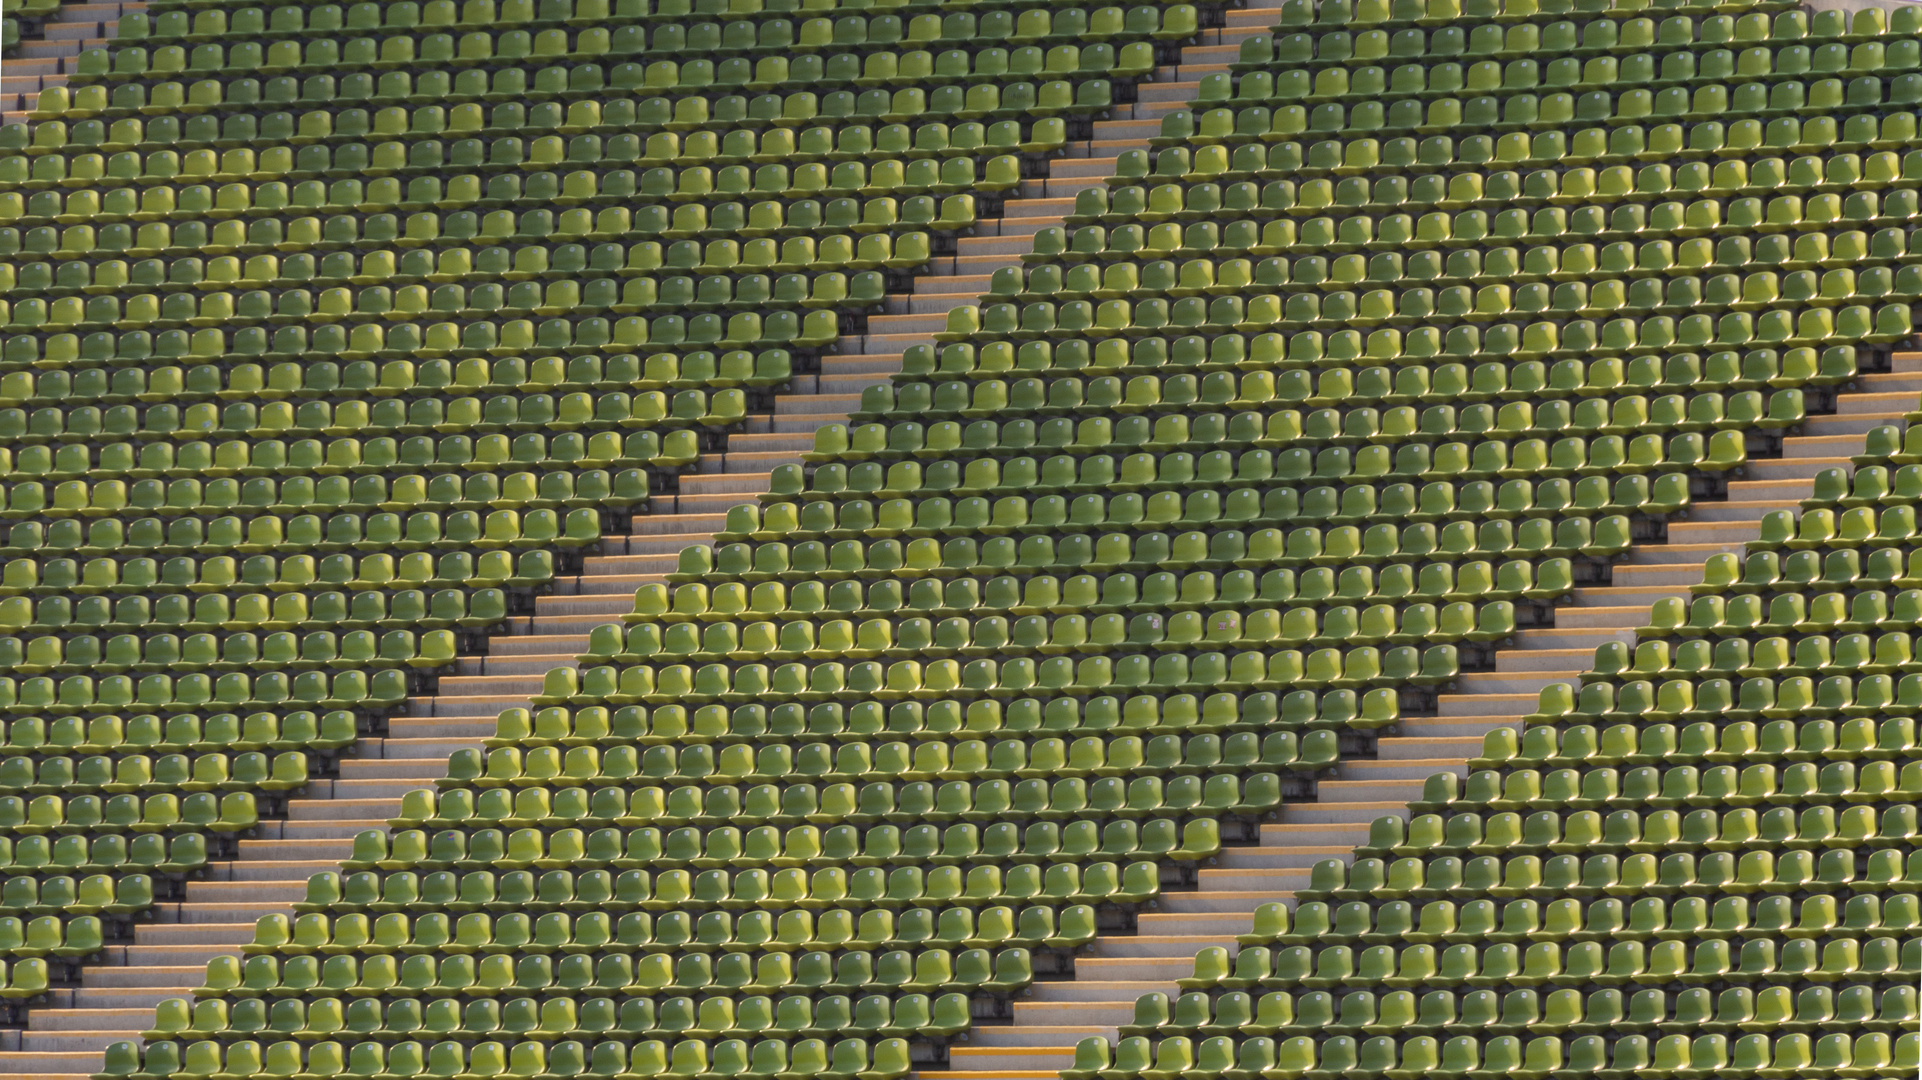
88, 1019
47, 1065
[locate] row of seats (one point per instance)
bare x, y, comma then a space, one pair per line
766, 845
657, 296
815, 41
687, 1059
928, 971
560, 1017
50, 935
1802, 781
1354, 426
178, 733
1583, 1056
1181, 713
1507, 188
1432, 364
1161, 278
330, 610
638, 932
554, 12
990, 800
199, 811
1632, 328
1799, 738
361, 513
96, 854
1353, 1011
806, 247
47, 569
405, 891
1749, 699
485, 12
1115, 592
379, 266
1453, 542
422, 497
235, 689
670, 38
1407, 56
1443, 514
700, 765
1036, 318
782, 328
1071, 87
596, 46
1567, 919
889, 761
1767, 571
1632, 223
1361, 667
1438, 581
1784, 612
868, 887
1070, 634
980, 460
124, 652
308, 533
1817, 654
48, 383
355, 419
557, 725
1717, 871
1336, 42
1299, 14
1285, 156
1820, 527
190, 462
1519, 112
924, 557
1067, 633
1320, 453
611, 132
89, 895
916, 146
1509, 832
250, 771
1579, 963
769, 216
1069, 479
217, 572
345, 499
670, 11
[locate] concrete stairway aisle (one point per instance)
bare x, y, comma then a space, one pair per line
64, 1039
46, 56
1119, 969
